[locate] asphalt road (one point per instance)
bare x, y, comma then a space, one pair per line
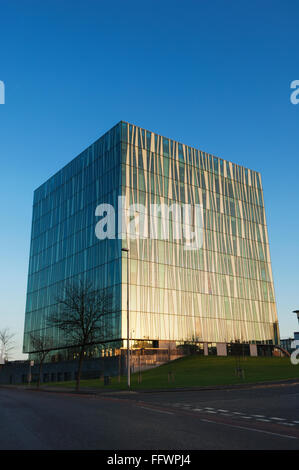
257, 418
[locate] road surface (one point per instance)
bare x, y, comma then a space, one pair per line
256, 418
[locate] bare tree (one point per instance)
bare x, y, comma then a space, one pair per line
41, 345
7, 344
82, 317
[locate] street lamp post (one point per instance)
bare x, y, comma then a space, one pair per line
128, 319
297, 312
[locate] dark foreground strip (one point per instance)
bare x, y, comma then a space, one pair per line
131, 459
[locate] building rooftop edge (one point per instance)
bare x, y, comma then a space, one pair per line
146, 130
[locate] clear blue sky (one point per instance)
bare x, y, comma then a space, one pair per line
213, 74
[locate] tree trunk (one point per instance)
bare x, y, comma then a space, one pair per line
81, 358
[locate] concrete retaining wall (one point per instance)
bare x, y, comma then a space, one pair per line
17, 372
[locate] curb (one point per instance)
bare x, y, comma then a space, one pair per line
204, 388
226, 387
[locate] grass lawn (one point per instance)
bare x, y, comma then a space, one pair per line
200, 371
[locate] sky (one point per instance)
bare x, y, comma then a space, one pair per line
213, 74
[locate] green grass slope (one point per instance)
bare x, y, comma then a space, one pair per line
201, 371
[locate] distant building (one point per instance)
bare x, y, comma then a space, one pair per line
286, 344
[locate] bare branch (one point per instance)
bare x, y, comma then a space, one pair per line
83, 316
42, 345
7, 343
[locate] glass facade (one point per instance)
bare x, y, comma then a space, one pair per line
220, 292
63, 242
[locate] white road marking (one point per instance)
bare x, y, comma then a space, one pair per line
157, 411
286, 436
227, 413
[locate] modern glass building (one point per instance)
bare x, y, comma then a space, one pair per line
221, 292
